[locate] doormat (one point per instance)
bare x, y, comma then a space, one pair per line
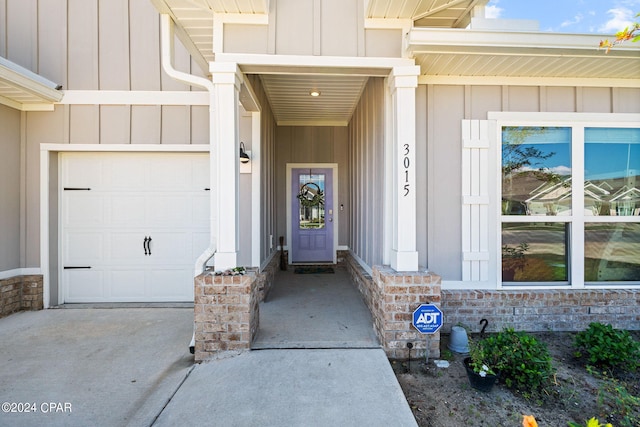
314, 270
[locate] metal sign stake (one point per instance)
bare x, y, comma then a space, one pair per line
427, 319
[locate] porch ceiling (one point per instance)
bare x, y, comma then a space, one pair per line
292, 103
24, 90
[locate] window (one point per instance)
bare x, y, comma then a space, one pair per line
311, 197
570, 205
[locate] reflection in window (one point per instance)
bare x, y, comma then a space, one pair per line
534, 252
311, 198
612, 172
612, 252
536, 171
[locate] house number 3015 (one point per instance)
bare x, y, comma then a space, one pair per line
406, 163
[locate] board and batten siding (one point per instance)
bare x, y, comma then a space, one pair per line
313, 27
10, 181
94, 45
268, 180
366, 174
447, 107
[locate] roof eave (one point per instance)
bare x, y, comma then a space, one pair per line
25, 90
421, 39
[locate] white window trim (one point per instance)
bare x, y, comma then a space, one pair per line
577, 121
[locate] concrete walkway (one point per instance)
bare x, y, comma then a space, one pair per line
321, 366
314, 311
354, 387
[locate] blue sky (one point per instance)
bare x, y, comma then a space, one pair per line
569, 16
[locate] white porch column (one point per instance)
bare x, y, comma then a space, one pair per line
403, 82
225, 163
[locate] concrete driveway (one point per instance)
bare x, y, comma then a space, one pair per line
101, 367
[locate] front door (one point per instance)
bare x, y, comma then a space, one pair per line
312, 215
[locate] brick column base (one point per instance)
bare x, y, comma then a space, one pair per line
226, 313
392, 298
402, 292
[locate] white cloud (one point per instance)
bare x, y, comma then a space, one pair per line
576, 19
492, 11
562, 170
621, 17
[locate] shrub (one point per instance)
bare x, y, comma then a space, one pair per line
524, 363
607, 347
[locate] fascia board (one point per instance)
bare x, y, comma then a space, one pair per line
28, 81
297, 64
457, 40
426, 79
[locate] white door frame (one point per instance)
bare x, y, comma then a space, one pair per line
336, 227
46, 150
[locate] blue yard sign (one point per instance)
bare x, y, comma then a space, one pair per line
427, 319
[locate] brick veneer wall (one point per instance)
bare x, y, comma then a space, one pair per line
226, 310
541, 310
226, 313
392, 298
20, 293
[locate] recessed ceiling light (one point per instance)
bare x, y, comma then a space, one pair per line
314, 92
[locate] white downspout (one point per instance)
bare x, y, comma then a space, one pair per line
167, 53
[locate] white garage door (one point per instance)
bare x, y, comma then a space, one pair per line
133, 225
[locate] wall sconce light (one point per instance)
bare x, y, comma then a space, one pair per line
244, 157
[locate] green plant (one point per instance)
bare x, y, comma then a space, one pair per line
593, 422
524, 362
615, 399
606, 347
482, 361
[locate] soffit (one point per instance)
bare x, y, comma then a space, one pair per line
24, 90
450, 52
425, 13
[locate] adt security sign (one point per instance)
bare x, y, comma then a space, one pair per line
427, 319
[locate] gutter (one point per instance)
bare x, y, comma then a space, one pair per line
167, 54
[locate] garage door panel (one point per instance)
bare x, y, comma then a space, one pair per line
83, 248
170, 247
87, 172
83, 209
168, 211
84, 285
167, 174
200, 210
127, 285
200, 172
171, 285
125, 173
127, 210
127, 247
